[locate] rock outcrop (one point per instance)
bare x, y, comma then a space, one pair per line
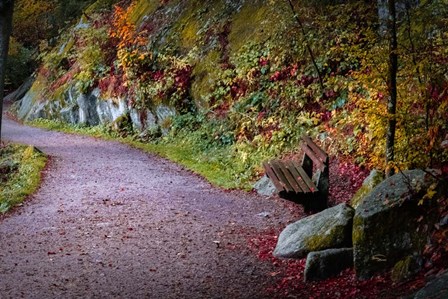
330, 228
90, 109
20, 92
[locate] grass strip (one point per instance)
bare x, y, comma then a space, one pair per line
20, 173
218, 165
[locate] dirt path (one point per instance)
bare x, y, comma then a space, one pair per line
112, 222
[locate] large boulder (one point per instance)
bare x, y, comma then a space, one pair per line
435, 289
330, 228
327, 263
375, 177
387, 223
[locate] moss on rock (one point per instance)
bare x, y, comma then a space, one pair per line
331, 228
334, 235
257, 21
205, 75
143, 8
369, 183
386, 222
405, 268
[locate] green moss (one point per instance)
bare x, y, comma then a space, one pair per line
143, 8
359, 196
68, 46
403, 269
205, 74
358, 230
368, 185
325, 241
257, 21
317, 242
122, 125
99, 5
189, 35
39, 86
25, 180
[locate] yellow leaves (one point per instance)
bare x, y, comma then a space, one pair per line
14, 47
142, 56
32, 20
429, 194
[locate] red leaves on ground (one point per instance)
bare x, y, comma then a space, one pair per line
288, 278
345, 180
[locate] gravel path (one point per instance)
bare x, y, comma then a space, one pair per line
110, 221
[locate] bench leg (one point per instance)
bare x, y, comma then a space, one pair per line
322, 202
311, 203
315, 203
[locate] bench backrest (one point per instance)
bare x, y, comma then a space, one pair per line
313, 155
313, 152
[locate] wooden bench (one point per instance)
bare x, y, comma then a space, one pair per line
295, 181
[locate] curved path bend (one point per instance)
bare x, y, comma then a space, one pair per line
110, 221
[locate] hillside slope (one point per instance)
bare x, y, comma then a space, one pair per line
240, 81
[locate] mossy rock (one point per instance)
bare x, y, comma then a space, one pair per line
189, 34
327, 263
386, 223
375, 177
331, 228
142, 9
257, 21
122, 125
206, 74
405, 268
100, 5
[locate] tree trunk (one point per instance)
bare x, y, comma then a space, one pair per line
6, 10
392, 86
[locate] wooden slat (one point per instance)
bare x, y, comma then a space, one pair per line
305, 177
275, 180
281, 186
309, 152
297, 176
320, 153
281, 176
291, 179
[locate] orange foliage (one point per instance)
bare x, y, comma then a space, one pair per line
131, 43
